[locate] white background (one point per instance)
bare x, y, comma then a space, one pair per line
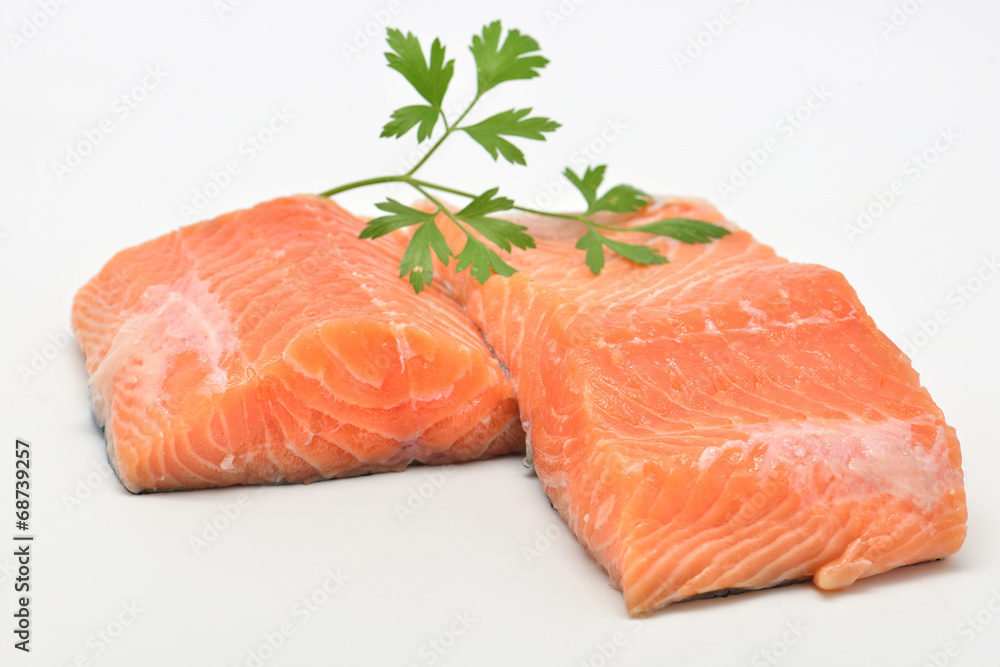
684, 128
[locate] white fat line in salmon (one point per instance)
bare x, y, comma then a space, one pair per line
32, 24
121, 108
912, 170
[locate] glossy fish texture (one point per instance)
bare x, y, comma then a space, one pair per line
727, 421
271, 345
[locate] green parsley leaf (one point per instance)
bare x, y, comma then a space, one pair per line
637, 253
496, 64
502, 233
402, 216
593, 243
430, 77
482, 260
511, 123
405, 118
587, 185
417, 261
621, 199
685, 230
516, 58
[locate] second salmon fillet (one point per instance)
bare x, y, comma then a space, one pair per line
272, 345
727, 421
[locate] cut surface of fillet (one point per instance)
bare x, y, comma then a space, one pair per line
729, 420
271, 345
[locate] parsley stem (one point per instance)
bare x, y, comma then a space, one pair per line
417, 183
422, 187
549, 214
447, 132
441, 207
361, 184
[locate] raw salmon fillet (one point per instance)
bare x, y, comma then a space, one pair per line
727, 421
272, 345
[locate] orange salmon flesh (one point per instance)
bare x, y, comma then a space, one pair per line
272, 345
729, 420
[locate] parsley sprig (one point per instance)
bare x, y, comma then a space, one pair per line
515, 58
